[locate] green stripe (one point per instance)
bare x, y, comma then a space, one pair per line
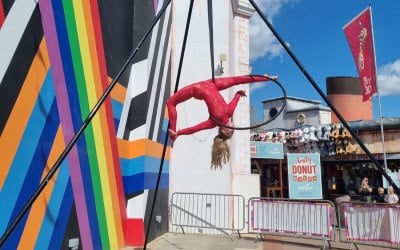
89, 134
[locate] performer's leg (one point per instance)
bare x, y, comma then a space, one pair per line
227, 82
172, 114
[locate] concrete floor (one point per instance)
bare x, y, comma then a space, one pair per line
170, 241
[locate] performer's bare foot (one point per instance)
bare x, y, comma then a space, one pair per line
272, 77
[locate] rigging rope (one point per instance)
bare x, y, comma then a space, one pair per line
211, 35
160, 169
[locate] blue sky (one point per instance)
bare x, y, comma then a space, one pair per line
313, 29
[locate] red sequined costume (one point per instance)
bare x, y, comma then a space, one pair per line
209, 92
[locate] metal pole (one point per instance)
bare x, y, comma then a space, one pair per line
379, 102
321, 93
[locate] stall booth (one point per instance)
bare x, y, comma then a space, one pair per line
345, 172
268, 162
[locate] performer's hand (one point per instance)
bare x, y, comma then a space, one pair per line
172, 136
242, 93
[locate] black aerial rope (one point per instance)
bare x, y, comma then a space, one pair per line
321, 93
73, 141
167, 135
262, 123
211, 35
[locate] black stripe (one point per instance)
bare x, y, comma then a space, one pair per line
165, 98
18, 69
143, 15
139, 105
137, 114
7, 4
117, 30
153, 130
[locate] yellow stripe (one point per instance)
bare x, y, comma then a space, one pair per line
92, 98
110, 166
15, 127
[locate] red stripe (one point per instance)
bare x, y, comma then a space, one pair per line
2, 17
110, 121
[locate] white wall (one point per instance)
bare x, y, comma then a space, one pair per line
191, 155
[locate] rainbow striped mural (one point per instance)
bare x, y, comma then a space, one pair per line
57, 58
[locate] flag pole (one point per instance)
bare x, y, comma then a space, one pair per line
379, 103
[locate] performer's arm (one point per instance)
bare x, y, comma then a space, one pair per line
201, 126
232, 105
227, 82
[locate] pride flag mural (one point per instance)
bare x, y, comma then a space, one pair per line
57, 58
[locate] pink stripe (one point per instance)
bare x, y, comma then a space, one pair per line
65, 118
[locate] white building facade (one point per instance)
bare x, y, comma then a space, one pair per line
190, 163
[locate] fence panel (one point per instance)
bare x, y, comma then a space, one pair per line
370, 224
307, 219
207, 213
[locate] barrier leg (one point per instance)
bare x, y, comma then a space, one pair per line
259, 236
234, 234
353, 245
327, 242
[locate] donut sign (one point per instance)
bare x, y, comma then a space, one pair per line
304, 176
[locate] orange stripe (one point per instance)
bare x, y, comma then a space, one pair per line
104, 125
112, 134
38, 210
15, 127
118, 93
133, 149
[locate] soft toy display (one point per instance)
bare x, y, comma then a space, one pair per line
324, 139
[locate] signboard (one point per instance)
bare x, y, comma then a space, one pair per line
266, 150
304, 175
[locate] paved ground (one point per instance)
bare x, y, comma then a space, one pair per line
170, 241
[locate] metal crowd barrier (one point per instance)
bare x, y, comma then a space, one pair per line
207, 213
312, 219
371, 224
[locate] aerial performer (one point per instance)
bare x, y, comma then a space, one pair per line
220, 112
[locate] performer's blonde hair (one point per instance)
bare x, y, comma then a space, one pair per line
220, 152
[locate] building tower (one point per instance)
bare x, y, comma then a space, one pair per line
345, 94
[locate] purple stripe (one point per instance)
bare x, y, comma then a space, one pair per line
65, 118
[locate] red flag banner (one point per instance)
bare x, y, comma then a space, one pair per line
360, 38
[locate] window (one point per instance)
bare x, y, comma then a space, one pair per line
273, 112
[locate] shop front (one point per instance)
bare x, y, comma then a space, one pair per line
341, 175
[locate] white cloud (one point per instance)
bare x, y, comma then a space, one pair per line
255, 86
389, 78
262, 42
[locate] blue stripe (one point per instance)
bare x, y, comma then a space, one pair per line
164, 132
142, 164
56, 239
38, 163
14, 182
71, 83
117, 111
139, 182
116, 125
57, 213
116, 108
